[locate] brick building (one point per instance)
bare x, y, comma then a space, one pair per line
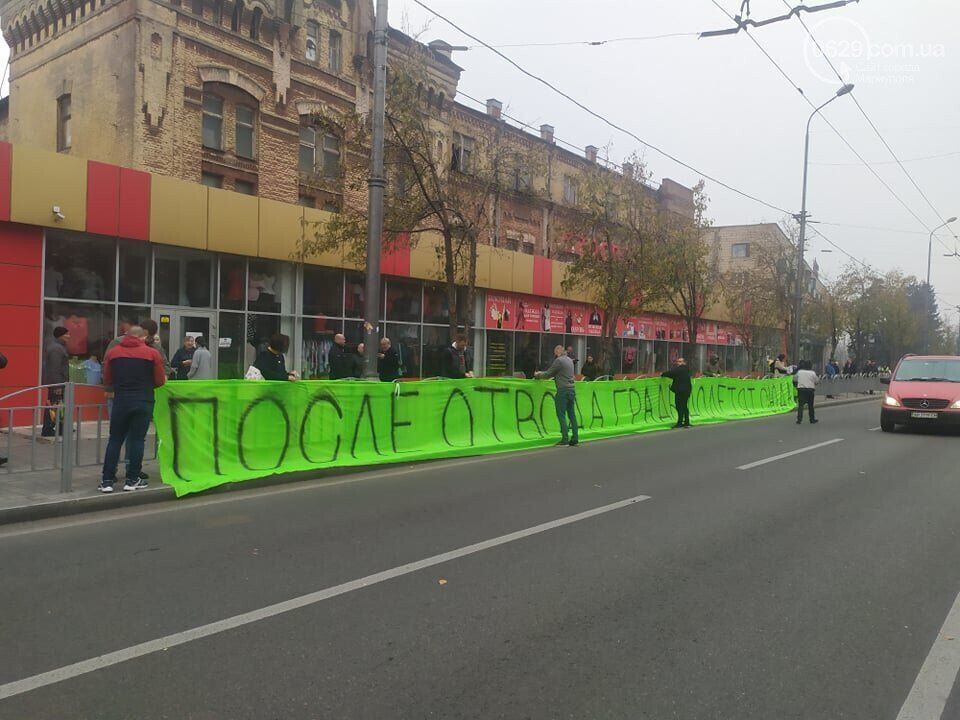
186, 145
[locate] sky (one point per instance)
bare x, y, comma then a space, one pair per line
721, 106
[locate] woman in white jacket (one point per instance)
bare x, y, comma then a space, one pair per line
202, 366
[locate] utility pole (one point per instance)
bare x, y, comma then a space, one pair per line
376, 184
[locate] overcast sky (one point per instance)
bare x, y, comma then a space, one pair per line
719, 105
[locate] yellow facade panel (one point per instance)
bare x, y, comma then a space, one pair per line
43, 180
424, 258
313, 225
281, 227
178, 212
484, 252
522, 272
501, 269
233, 222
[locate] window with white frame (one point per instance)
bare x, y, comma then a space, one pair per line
571, 190
462, 156
246, 132
319, 152
335, 52
212, 121
740, 250
313, 35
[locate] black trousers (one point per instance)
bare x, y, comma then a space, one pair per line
805, 397
682, 402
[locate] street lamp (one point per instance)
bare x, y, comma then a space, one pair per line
926, 325
845, 90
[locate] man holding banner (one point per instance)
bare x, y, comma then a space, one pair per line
562, 372
682, 387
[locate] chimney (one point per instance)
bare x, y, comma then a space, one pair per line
546, 133
441, 47
591, 153
628, 170
494, 108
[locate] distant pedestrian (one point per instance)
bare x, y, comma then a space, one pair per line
202, 366
779, 368
183, 358
133, 369
682, 387
271, 362
92, 371
454, 363
358, 361
573, 356
388, 365
56, 371
831, 370
713, 367
590, 371
153, 340
561, 370
341, 362
806, 380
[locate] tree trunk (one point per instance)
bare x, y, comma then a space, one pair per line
450, 276
467, 314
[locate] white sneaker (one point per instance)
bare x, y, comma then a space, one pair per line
105, 488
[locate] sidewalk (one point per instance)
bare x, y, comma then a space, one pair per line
36, 495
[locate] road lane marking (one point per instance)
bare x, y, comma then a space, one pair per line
875, 429
781, 456
931, 690
18, 687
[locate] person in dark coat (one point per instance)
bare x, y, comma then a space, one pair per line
56, 371
3, 364
358, 362
590, 371
454, 362
183, 358
389, 361
341, 361
681, 386
270, 362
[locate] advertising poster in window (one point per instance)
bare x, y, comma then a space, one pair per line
506, 311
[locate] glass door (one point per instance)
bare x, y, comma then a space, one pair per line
176, 325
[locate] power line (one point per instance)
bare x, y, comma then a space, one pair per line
873, 125
831, 126
872, 227
597, 115
890, 162
591, 43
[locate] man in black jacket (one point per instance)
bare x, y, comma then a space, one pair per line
56, 371
389, 361
681, 386
341, 362
454, 363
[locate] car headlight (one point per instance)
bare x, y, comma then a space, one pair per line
892, 401
955, 406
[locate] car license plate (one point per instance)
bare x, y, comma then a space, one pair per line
924, 415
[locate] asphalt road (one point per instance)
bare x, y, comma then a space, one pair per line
811, 587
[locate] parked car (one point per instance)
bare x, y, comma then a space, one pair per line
924, 390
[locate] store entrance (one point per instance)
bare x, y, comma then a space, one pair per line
176, 324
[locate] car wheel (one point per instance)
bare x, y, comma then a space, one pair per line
887, 425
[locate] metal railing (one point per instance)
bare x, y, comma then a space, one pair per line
80, 431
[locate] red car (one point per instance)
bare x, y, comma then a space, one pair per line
924, 390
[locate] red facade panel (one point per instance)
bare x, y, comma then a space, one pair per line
21, 245
542, 276
397, 261
6, 162
19, 285
134, 220
103, 198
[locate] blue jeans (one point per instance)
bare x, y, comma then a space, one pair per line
566, 402
129, 422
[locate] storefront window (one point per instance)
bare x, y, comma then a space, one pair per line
316, 346
628, 357
403, 301
130, 315
436, 309
230, 355
435, 339
91, 326
661, 356
526, 353
353, 331
406, 341
79, 267
268, 286
499, 353
353, 295
322, 292
183, 277
233, 282
134, 278
259, 329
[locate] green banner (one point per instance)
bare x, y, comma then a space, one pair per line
216, 432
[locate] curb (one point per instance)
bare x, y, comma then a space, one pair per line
164, 493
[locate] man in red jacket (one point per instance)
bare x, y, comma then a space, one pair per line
133, 369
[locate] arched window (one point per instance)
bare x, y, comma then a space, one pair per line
313, 33
430, 98
237, 20
212, 121
255, 24
440, 99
